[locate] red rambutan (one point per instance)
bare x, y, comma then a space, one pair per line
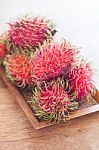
18, 69
52, 99
29, 32
81, 81
3, 50
3, 47
52, 60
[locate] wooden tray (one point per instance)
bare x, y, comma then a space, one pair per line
29, 113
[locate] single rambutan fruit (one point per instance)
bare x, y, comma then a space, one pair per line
18, 69
53, 59
52, 101
81, 80
3, 50
3, 47
29, 33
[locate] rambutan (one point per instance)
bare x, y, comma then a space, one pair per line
3, 47
81, 80
3, 50
18, 69
29, 33
51, 101
53, 59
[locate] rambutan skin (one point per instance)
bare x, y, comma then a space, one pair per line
53, 60
18, 69
29, 32
81, 80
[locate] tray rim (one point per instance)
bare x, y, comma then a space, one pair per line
28, 112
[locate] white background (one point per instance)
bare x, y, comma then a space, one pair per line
76, 20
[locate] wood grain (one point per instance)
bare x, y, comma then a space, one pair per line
16, 132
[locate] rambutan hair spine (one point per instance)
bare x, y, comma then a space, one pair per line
28, 32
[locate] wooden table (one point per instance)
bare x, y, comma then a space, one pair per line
16, 132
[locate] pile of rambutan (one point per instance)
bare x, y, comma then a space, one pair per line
60, 80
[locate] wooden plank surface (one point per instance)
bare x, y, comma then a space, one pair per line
16, 132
